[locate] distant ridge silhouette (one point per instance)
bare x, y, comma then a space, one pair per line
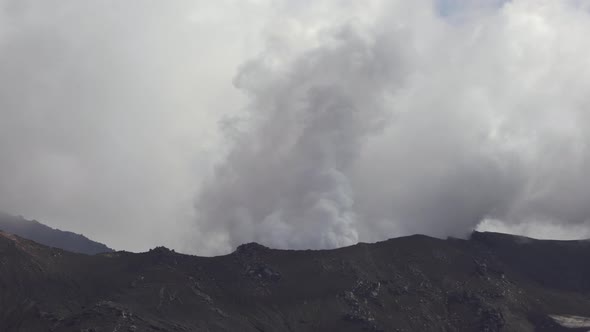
38, 232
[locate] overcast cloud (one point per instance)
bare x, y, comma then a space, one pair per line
202, 125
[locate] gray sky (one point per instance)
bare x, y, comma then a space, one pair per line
201, 125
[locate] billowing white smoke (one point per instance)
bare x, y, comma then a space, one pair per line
409, 122
364, 119
286, 180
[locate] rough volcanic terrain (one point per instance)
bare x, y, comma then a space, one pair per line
491, 282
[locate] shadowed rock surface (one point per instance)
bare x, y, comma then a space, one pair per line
36, 231
491, 282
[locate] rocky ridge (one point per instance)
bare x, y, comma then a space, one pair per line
491, 282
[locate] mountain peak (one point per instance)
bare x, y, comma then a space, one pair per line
250, 247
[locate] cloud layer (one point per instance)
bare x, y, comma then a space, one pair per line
109, 111
298, 124
411, 122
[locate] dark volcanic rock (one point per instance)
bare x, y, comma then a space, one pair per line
492, 282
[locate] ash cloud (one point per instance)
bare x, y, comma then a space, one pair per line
347, 121
411, 122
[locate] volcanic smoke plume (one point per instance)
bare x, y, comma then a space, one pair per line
410, 121
201, 125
